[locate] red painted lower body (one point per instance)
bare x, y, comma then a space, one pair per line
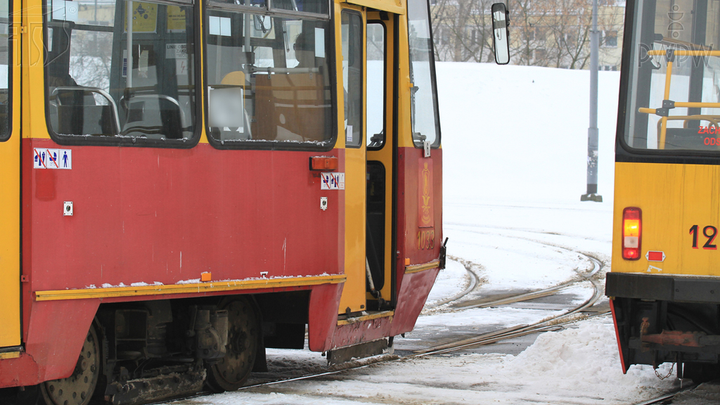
147, 215
411, 299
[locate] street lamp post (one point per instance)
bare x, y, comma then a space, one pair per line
592, 151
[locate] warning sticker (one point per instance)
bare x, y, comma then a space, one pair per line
332, 181
52, 158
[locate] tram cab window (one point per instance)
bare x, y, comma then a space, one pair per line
268, 75
674, 77
424, 110
5, 78
119, 79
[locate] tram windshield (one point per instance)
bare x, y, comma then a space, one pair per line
673, 95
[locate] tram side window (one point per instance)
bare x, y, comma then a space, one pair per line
424, 110
352, 63
268, 76
119, 76
674, 87
5, 78
375, 118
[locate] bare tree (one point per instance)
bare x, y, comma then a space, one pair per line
554, 33
463, 30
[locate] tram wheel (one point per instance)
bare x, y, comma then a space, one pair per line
230, 372
79, 387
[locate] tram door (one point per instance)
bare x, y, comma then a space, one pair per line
369, 152
380, 155
9, 188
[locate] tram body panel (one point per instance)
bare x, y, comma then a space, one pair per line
678, 202
55, 335
411, 300
194, 211
353, 299
421, 179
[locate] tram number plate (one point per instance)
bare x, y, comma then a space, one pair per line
708, 232
426, 239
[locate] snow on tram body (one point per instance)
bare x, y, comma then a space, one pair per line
665, 280
186, 183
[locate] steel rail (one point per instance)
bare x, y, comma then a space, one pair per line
553, 323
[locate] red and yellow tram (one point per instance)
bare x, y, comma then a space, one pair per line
186, 183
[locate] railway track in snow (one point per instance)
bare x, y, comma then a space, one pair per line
552, 323
456, 303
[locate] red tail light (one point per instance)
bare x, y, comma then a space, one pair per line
631, 233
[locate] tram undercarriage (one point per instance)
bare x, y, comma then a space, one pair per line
155, 350
655, 324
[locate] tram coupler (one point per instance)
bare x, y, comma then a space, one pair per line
443, 255
680, 338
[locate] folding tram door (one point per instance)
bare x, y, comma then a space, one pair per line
10, 333
381, 158
366, 78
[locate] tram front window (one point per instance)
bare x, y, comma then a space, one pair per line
119, 78
424, 111
673, 96
268, 75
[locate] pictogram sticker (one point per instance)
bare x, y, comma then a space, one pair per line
52, 158
332, 181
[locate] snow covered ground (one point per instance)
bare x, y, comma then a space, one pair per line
515, 147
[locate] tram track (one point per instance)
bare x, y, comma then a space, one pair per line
548, 324
668, 398
456, 303
473, 269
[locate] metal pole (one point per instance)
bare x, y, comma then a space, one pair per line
592, 152
129, 17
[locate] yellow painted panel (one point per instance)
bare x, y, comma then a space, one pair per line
9, 355
405, 86
393, 6
218, 286
34, 124
673, 198
10, 223
378, 315
422, 267
10, 242
353, 295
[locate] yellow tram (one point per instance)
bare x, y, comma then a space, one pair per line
665, 280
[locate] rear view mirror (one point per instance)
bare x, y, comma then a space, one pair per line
501, 42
